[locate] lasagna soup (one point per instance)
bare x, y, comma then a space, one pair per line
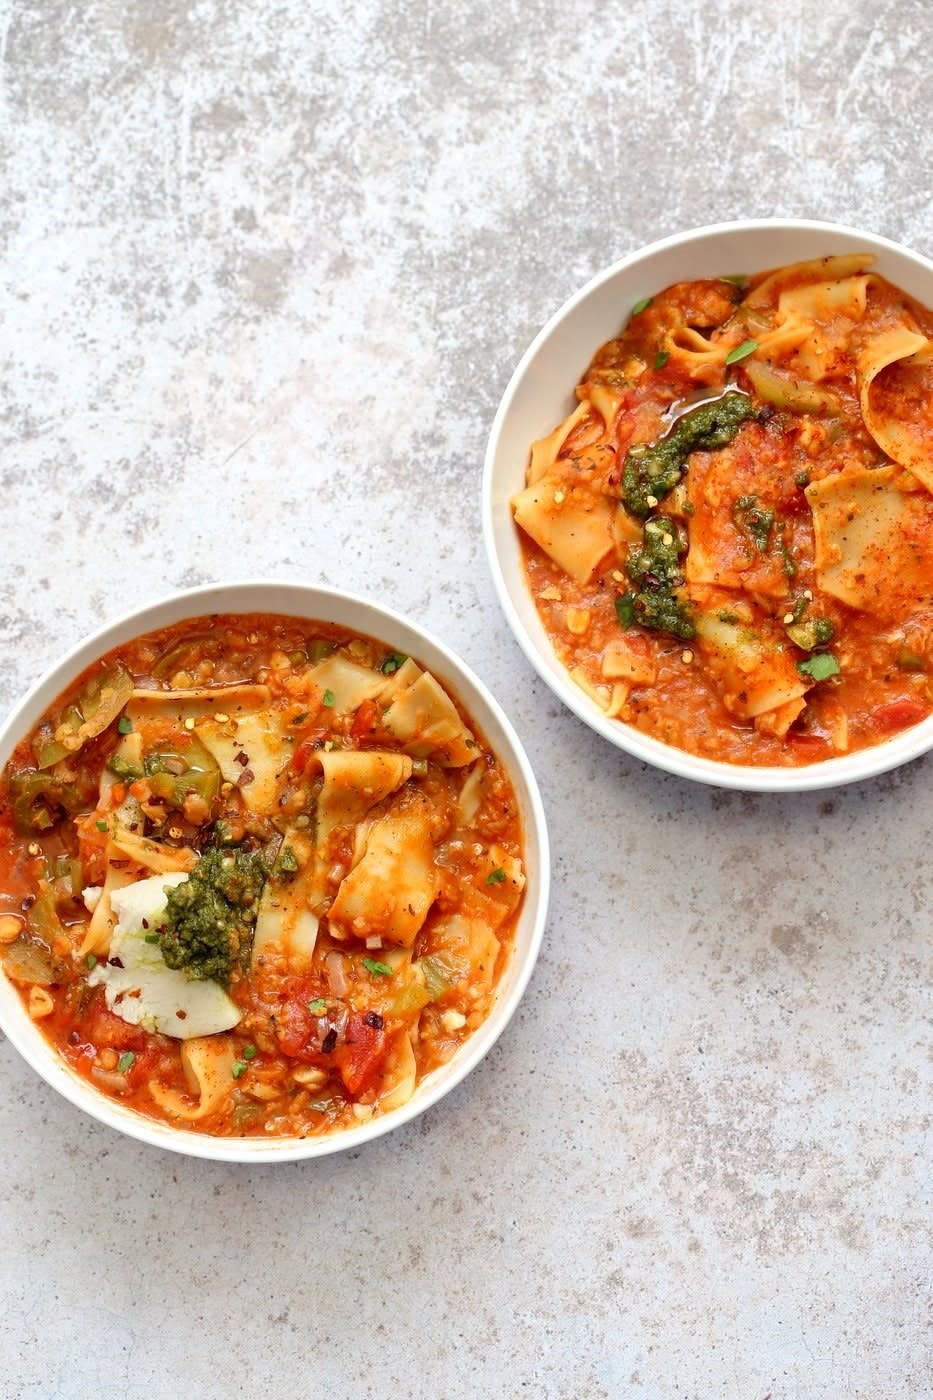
729, 540
257, 875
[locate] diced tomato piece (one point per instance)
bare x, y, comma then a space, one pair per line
898, 715
302, 755
810, 744
143, 1066
293, 1026
101, 1028
360, 1055
364, 721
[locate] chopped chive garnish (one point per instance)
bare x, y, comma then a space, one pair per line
91, 961
625, 609
239, 1068
317, 1007
127, 1061
741, 352
661, 359
642, 305
393, 662
495, 877
102, 826
377, 969
328, 699
152, 938
125, 724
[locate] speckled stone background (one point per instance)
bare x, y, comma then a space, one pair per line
266, 268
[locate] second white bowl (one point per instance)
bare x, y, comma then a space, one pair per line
345, 610
540, 394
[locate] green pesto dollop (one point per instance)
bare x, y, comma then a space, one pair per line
210, 918
654, 470
655, 569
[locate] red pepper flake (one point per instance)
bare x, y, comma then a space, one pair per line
245, 778
242, 758
182, 1015
330, 1040
114, 962
145, 923
372, 1018
28, 902
74, 1038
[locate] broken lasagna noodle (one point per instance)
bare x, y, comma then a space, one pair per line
730, 538
259, 876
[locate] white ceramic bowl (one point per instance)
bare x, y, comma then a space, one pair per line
540, 393
325, 604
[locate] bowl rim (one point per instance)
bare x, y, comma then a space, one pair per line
831, 772
32, 1045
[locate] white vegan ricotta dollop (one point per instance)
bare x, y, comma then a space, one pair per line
144, 991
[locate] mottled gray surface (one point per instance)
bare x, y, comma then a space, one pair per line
266, 268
